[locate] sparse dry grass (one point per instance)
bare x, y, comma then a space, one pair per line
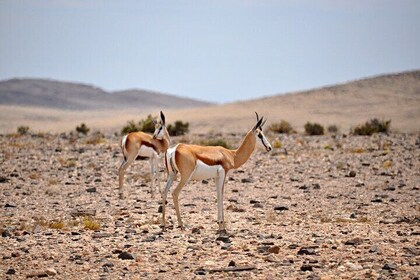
57, 225
358, 151
67, 162
387, 164
90, 223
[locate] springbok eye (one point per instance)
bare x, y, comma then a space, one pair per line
260, 136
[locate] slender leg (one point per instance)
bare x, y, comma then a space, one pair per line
175, 196
121, 173
164, 195
220, 179
152, 175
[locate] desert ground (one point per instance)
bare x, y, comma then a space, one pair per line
316, 207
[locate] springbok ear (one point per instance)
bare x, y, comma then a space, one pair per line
162, 117
263, 123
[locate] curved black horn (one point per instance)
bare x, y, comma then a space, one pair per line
257, 116
162, 117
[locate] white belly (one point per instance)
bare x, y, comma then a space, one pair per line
146, 151
203, 171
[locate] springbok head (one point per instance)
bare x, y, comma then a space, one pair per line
259, 133
160, 127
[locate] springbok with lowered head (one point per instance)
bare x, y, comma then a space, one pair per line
140, 144
195, 162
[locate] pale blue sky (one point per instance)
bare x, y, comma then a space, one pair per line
216, 50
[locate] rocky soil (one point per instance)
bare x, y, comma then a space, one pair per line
314, 208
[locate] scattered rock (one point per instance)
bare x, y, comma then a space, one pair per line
91, 190
232, 263
126, 256
10, 271
306, 267
196, 230
246, 180
281, 208
274, 249
258, 205
352, 174
356, 241
51, 271
389, 266
306, 251
8, 205
374, 249
224, 238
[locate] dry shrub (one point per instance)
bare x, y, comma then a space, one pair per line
371, 127
57, 225
281, 127
387, 164
358, 151
145, 125
314, 129
83, 129
277, 144
96, 138
34, 176
67, 163
23, 130
90, 223
179, 128
333, 129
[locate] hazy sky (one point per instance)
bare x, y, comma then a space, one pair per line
216, 50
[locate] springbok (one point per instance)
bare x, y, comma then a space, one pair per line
140, 144
195, 162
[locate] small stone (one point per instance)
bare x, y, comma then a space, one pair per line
9, 205
196, 230
3, 179
306, 267
274, 249
258, 205
292, 246
200, 271
232, 263
281, 208
51, 271
306, 251
374, 249
224, 238
356, 241
160, 209
316, 186
352, 173
5, 233
126, 256
246, 180
253, 201
10, 271
91, 190
353, 267
389, 266
108, 264
205, 182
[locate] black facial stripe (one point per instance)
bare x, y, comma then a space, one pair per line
262, 141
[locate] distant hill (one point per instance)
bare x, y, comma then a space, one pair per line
390, 96
74, 96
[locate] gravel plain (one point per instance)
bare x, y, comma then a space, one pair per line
316, 207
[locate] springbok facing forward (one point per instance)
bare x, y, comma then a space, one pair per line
137, 144
204, 162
